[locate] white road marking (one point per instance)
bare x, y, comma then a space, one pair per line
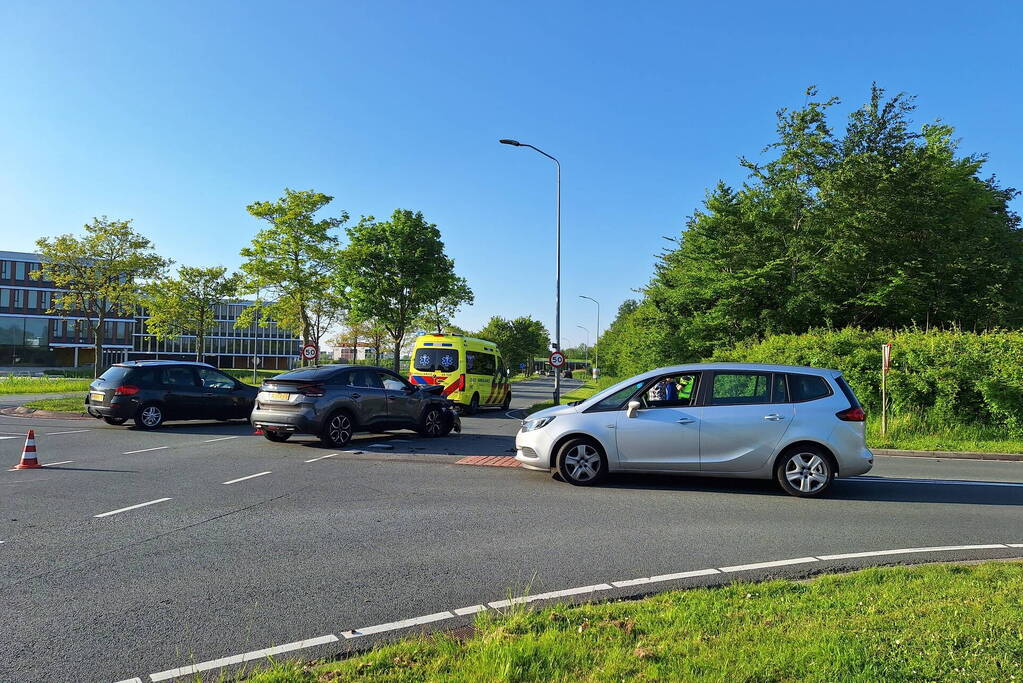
73, 431
145, 450
240, 659
548, 596
54, 464
461, 611
251, 476
223, 438
131, 507
1015, 545
131, 680
9, 437
323, 457
766, 565
395, 625
664, 577
906, 551
944, 482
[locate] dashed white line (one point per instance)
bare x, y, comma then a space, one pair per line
131, 680
145, 450
131, 507
54, 464
549, 596
766, 565
73, 431
240, 659
1015, 545
907, 551
395, 625
461, 611
251, 476
9, 437
323, 457
223, 438
664, 577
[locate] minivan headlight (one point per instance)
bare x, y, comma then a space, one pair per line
533, 425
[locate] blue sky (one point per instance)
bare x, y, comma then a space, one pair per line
178, 114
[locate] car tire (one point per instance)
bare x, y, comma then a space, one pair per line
435, 423
338, 430
805, 471
116, 421
149, 416
275, 437
474, 405
506, 404
581, 462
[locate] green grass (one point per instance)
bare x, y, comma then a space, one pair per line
41, 385
246, 375
67, 404
915, 433
928, 623
589, 388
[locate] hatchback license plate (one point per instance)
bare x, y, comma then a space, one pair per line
280, 396
96, 396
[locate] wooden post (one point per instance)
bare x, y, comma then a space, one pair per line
886, 361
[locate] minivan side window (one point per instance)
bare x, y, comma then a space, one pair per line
740, 388
671, 391
808, 387
616, 400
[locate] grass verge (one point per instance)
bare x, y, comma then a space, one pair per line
65, 404
935, 622
912, 432
42, 385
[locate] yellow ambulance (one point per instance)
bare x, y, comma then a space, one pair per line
471, 370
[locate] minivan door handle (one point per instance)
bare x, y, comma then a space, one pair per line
774, 417
685, 420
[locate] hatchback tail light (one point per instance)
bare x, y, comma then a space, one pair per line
313, 390
126, 390
853, 414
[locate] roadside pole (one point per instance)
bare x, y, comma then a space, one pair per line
886, 362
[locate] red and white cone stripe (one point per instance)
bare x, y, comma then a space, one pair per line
29, 461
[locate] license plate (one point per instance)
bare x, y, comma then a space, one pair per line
279, 396
96, 396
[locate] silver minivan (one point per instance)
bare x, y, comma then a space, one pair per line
800, 426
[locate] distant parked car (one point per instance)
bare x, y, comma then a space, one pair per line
800, 426
335, 401
567, 374
152, 392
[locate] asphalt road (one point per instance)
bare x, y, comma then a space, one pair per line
299, 545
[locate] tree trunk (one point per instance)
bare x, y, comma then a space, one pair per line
397, 355
199, 342
97, 340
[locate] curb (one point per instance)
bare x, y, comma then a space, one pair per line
22, 411
954, 455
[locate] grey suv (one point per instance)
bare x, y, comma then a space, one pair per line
335, 401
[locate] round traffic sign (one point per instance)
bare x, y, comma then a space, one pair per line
310, 352
557, 359
522, 366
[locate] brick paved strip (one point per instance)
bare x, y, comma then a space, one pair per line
488, 461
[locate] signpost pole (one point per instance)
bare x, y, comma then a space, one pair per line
886, 359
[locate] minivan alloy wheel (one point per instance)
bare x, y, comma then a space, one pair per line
583, 463
807, 472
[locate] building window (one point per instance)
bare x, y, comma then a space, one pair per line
19, 298
5, 270
33, 299
19, 270
5, 297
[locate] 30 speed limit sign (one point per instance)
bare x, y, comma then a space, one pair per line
557, 359
310, 352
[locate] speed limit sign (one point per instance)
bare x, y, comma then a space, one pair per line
310, 352
557, 359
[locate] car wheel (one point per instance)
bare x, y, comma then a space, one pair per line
581, 462
474, 405
149, 416
276, 437
805, 472
435, 423
507, 401
337, 430
114, 420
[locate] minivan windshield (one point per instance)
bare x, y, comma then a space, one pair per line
433, 360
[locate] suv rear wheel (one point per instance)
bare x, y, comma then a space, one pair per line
149, 416
805, 472
337, 430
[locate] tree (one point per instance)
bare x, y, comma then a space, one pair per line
186, 304
396, 269
98, 273
519, 340
437, 314
295, 262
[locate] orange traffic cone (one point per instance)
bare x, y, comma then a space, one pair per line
28, 455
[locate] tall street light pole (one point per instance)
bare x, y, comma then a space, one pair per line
557, 263
587, 341
596, 339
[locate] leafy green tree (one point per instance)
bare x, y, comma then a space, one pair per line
396, 269
519, 340
99, 273
186, 304
295, 264
437, 315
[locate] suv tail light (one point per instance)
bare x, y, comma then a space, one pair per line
853, 414
126, 390
313, 390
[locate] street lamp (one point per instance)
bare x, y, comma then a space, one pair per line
587, 342
596, 339
557, 261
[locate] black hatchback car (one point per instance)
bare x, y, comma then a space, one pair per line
152, 392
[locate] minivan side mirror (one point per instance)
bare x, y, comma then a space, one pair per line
632, 408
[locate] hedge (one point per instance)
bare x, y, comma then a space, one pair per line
949, 376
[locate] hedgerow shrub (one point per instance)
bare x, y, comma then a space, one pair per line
945, 376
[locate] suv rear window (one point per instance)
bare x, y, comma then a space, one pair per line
431, 360
807, 387
115, 374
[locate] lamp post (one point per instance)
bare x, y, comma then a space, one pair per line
596, 339
557, 261
587, 342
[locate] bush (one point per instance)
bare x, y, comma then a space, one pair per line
941, 376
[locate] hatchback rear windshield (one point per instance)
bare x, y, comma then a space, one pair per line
308, 374
115, 374
431, 360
